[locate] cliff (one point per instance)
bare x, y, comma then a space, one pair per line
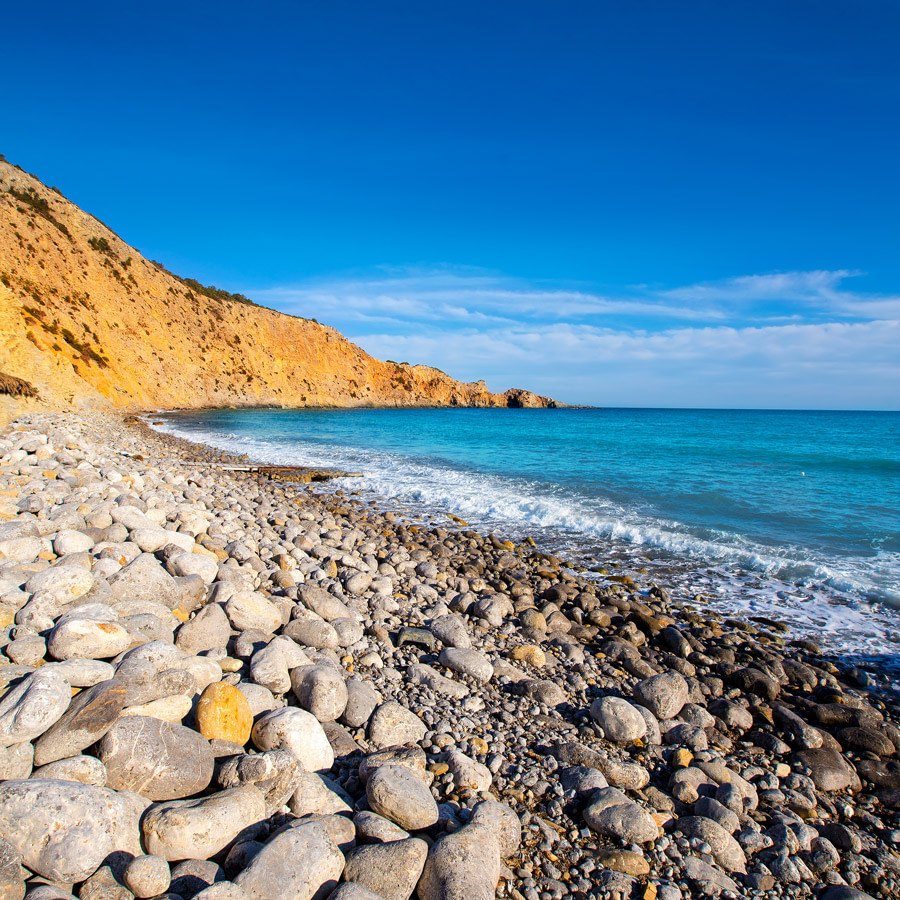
87, 320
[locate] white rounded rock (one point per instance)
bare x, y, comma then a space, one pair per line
297, 731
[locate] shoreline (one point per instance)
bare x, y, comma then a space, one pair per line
723, 583
642, 749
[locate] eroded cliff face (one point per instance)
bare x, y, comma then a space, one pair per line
88, 321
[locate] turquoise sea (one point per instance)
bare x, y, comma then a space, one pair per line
781, 514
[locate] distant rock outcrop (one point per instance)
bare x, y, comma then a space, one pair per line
86, 320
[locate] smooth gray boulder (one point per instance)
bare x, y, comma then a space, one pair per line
396, 793
467, 661
275, 772
145, 579
362, 699
620, 721
90, 715
393, 725
390, 870
156, 759
29, 708
726, 850
298, 864
198, 829
147, 876
664, 694
298, 731
63, 830
320, 690
612, 813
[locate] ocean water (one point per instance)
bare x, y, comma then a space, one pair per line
787, 515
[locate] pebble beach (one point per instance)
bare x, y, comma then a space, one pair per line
218, 685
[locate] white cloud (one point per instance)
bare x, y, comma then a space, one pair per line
782, 339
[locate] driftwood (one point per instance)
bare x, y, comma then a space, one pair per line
16, 387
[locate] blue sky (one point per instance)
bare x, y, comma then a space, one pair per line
648, 203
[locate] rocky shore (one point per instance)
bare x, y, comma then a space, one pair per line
218, 686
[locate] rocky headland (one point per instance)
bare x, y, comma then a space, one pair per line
214, 685
87, 321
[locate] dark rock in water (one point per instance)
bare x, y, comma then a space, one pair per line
883, 773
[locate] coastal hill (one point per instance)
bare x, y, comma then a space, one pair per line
86, 320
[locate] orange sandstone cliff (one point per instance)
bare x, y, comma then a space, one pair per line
87, 321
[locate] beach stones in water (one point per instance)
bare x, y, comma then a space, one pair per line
393, 725
612, 813
298, 864
396, 793
298, 731
223, 713
64, 830
156, 759
664, 695
198, 829
620, 721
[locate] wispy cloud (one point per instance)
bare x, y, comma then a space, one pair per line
782, 339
